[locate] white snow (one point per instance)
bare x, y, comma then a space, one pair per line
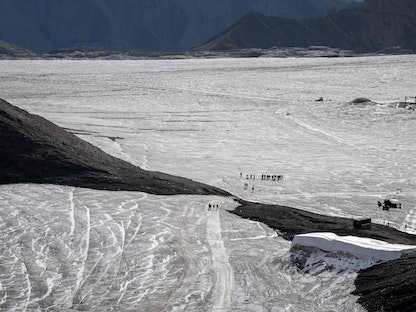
356, 246
221, 264
207, 120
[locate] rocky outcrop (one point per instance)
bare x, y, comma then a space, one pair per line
388, 286
34, 150
378, 25
290, 222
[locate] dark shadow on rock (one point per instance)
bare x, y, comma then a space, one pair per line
389, 286
34, 150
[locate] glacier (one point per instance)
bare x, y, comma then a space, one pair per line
214, 121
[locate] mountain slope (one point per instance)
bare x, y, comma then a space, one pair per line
378, 25
46, 25
256, 30
13, 51
34, 150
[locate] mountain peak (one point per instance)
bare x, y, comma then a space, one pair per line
380, 24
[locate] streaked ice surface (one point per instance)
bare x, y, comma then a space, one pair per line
70, 249
360, 247
216, 121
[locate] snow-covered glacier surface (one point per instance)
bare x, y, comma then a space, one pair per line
71, 249
225, 122
366, 250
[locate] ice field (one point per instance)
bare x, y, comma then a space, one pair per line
218, 121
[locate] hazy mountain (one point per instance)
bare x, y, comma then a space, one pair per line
379, 24
45, 25
13, 51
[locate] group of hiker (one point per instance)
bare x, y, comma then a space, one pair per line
246, 187
268, 177
213, 207
248, 176
264, 177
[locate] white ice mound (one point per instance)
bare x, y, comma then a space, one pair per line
356, 246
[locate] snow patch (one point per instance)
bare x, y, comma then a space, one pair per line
344, 252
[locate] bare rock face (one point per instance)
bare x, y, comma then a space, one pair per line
395, 7
390, 23
34, 150
388, 286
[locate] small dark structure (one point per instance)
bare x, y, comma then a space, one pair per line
361, 101
409, 103
390, 203
361, 223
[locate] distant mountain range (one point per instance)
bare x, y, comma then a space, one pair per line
159, 25
379, 24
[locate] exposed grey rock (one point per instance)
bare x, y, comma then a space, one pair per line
388, 286
361, 101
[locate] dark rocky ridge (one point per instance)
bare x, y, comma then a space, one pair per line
389, 286
376, 26
34, 150
290, 221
